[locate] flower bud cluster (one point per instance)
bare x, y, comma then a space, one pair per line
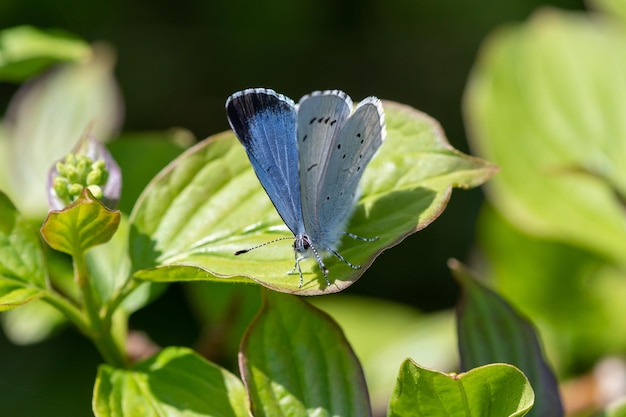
75, 173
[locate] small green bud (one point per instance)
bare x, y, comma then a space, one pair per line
75, 189
99, 164
60, 166
89, 165
60, 188
94, 177
83, 166
96, 191
70, 159
71, 173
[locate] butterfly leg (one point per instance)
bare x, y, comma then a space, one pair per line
344, 260
297, 266
364, 239
321, 264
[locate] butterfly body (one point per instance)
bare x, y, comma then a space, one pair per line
309, 158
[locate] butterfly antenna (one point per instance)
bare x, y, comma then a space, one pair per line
239, 252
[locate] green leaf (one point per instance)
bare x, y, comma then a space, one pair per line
208, 204
157, 150
32, 323
295, 361
384, 333
546, 103
175, 383
491, 331
565, 289
22, 273
81, 225
25, 51
497, 390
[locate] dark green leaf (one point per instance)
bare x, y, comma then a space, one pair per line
208, 204
491, 331
496, 390
383, 333
22, 274
295, 361
174, 383
81, 225
25, 51
565, 289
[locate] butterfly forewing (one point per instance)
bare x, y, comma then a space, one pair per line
320, 118
265, 124
351, 150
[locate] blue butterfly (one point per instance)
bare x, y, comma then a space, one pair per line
309, 159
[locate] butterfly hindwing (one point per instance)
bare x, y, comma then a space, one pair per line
265, 124
350, 151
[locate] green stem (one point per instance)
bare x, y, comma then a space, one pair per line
118, 297
99, 330
71, 312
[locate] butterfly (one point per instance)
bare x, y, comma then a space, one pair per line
309, 158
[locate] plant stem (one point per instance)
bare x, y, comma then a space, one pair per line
71, 312
99, 331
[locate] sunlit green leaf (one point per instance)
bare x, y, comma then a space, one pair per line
25, 51
208, 204
491, 331
175, 383
295, 361
497, 390
81, 225
546, 103
22, 275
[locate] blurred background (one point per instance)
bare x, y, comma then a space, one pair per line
176, 64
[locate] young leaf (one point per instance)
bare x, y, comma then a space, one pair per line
496, 390
545, 102
295, 361
81, 225
175, 383
22, 277
491, 331
208, 204
25, 51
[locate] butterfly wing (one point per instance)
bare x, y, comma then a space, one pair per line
265, 123
342, 166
